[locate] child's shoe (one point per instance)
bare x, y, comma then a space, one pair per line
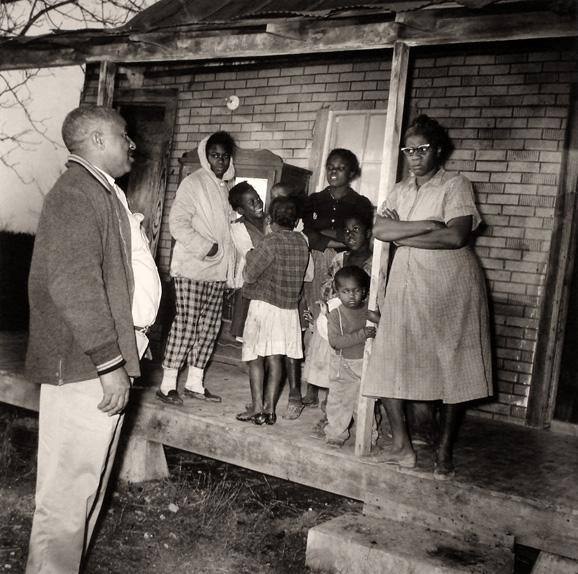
317, 433
334, 442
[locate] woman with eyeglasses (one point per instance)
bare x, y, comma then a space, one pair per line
433, 341
201, 263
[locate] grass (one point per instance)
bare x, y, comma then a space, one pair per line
208, 517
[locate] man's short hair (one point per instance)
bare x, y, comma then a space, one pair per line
82, 121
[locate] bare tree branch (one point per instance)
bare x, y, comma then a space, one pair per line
27, 17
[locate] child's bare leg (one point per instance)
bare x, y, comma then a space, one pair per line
273, 386
256, 381
311, 396
293, 368
295, 405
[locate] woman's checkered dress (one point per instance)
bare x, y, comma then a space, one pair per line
433, 339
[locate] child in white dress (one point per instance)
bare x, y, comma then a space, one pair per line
273, 275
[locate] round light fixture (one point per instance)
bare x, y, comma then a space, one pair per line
232, 102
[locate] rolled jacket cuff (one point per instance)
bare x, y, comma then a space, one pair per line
110, 365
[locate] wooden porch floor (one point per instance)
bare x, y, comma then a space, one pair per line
528, 479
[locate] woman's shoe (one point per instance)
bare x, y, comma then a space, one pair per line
271, 418
259, 418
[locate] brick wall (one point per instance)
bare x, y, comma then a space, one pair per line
506, 109
506, 112
279, 105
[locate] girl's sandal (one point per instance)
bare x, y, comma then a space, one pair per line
294, 410
245, 416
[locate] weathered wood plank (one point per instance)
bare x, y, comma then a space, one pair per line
106, 78
554, 309
417, 29
495, 460
478, 511
16, 390
387, 177
552, 564
320, 135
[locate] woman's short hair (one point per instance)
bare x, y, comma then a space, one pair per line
284, 212
434, 133
354, 272
225, 139
348, 157
236, 193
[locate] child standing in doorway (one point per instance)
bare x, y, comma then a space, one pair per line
273, 275
347, 333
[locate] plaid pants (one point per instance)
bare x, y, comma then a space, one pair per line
199, 306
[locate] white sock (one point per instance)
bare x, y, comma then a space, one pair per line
169, 382
194, 380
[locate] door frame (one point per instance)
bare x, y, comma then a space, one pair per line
556, 289
166, 97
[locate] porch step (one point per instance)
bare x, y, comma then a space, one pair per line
359, 544
552, 564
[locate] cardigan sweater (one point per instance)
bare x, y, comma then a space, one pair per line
80, 285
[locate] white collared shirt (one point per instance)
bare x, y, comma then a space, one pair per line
147, 283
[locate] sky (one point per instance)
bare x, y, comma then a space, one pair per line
51, 95
38, 164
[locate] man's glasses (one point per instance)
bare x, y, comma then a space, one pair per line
420, 150
216, 156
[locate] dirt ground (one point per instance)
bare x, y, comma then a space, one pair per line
207, 518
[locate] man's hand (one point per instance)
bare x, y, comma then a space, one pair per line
115, 391
213, 250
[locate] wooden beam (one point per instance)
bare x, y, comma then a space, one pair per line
422, 28
106, 79
554, 309
387, 177
320, 137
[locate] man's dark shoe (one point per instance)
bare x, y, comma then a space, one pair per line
171, 398
205, 396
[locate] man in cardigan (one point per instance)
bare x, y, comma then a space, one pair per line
93, 289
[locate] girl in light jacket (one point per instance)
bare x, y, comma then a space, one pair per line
202, 259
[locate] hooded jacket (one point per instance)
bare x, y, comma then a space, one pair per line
200, 217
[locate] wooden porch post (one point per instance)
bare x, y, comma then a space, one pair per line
106, 79
387, 176
556, 291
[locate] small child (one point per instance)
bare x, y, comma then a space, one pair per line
282, 189
247, 232
273, 276
347, 333
318, 352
